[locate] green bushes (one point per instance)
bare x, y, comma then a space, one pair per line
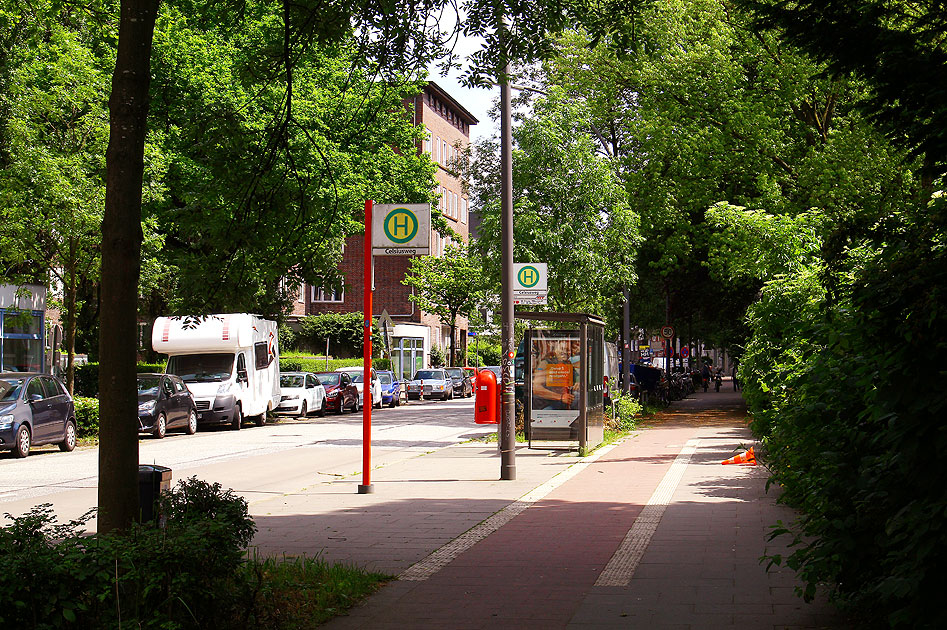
185, 575
316, 364
192, 573
844, 377
87, 416
345, 332
627, 412
87, 377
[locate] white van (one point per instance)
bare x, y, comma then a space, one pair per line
230, 363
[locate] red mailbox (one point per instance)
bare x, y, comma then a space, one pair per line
488, 396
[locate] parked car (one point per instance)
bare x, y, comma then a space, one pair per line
165, 402
35, 409
357, 378
432, 383
496, 369
393, 390
471, 373
341, 392
301, 394
460, 381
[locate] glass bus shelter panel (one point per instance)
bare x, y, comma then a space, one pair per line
595, 400
552, 389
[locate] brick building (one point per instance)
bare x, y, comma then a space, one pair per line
448, 130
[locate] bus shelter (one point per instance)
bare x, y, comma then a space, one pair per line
563, 383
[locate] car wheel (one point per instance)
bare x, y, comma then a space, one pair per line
355, 405
161, 426
303, 411
322, 409
21, 446
191, 427
69, 441
237, 423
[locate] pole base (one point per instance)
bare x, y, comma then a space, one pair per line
369, 489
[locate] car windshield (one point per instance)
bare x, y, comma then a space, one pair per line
384, 379
330, 379
10, 388
148, 385
356, 377
455, 372
292, 380
429, 374
495, 370
202, 368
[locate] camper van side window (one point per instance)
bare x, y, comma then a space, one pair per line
262, 354
241, 366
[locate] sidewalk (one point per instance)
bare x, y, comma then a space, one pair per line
653, 532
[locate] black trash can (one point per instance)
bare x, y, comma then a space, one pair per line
152, 481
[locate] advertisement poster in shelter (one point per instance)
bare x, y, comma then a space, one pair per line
554, 384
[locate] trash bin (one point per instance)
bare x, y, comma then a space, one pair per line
152, 481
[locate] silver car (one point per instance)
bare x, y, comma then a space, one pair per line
432, 383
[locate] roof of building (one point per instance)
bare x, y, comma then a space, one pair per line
443, 95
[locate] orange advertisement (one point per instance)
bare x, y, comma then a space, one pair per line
559, 375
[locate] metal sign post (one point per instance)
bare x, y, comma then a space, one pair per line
366, 486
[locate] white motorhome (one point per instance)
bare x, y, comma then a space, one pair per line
230, 363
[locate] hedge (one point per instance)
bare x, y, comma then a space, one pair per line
316, 364
87, 377
87, 416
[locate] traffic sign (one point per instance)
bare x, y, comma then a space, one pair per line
401, 229
530, 279
667, 331
685, 352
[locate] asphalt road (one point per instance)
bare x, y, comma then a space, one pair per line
330, 446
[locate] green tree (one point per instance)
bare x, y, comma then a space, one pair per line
448, 286
54, 82
570, 209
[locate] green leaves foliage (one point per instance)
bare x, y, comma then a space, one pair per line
570, 209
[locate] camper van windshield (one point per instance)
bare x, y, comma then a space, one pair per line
201, 368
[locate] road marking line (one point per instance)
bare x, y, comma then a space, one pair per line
621, 568
443, 556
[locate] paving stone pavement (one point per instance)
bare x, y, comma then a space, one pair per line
651, 533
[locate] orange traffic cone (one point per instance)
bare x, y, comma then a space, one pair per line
746, 457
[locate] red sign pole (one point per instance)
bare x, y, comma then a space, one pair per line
366, 486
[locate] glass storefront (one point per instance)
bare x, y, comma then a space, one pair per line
21, 341
407, 356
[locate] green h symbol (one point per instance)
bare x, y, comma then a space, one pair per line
529, 276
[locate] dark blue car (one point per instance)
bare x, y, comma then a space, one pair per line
35, 409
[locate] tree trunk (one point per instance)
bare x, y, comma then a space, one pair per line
121, 262
453, 342
70, 317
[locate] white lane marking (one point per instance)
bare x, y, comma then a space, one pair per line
443, 556
621, 568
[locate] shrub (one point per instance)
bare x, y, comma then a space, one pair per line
437, 356
185, 575
317, 364
345, 332
627, 412
87, 416
287, 338
86, 381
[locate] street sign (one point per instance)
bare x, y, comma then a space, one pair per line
685, 352
531, 299
387, 328
529, 283
401, 229
667, 331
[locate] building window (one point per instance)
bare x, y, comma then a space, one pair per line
463, 210
21, 341
428, 144
321, 294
